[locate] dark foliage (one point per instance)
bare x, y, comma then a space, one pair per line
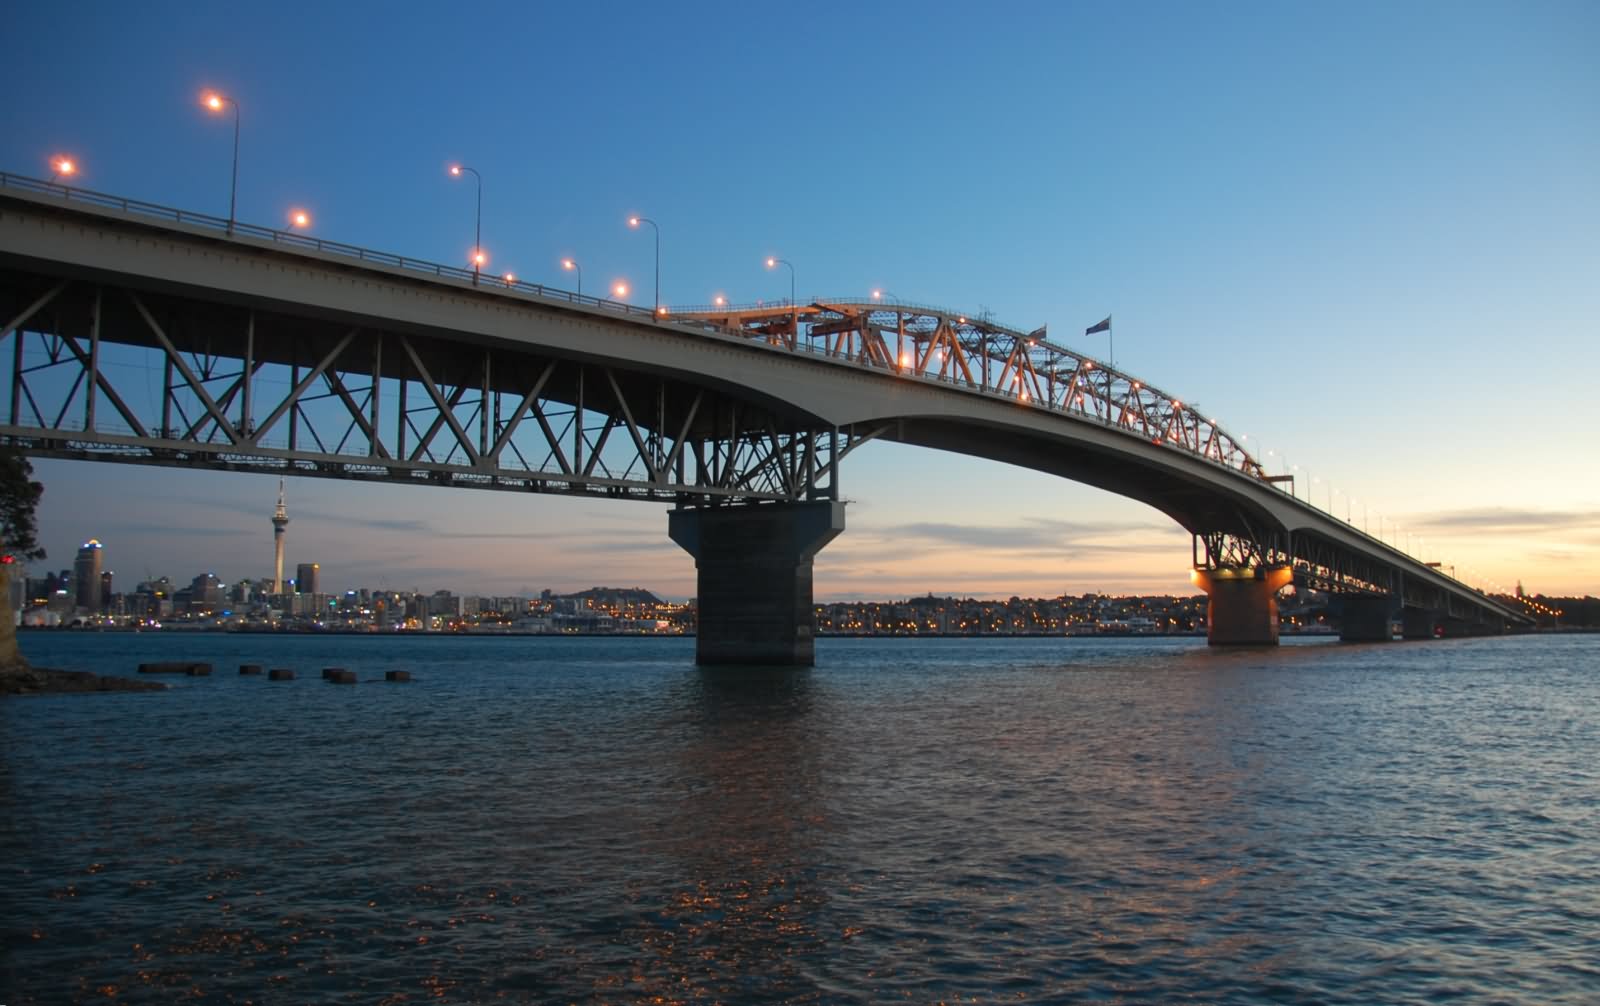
19, 495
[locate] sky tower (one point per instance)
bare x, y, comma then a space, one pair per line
280, 521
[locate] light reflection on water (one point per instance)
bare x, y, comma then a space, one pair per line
598, 821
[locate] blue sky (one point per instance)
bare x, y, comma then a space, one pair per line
1367, 236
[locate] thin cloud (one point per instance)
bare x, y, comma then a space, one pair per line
1507, 519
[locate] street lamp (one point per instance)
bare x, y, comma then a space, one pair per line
634, 222
299, 220
478, 257
571, 265
63, 166
719, 301
215, 102
794, 308
619, 289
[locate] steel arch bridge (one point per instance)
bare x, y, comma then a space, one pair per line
149, 335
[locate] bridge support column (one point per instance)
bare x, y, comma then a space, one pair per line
1365, 619
1420, 623
1243, 604
754, 578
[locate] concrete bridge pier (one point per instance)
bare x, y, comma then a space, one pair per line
1365, 619
1421, 623
1242, 608
754, 577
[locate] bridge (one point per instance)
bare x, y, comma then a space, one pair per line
283, 353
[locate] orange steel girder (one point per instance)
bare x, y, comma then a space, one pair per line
927, 343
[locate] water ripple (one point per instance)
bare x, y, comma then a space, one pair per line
594, 821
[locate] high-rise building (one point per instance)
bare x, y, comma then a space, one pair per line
105, 590
305, 578
206, 590
86, 575
280, 523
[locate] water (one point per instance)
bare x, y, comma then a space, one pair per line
595, 820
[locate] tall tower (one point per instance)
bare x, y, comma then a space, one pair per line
280, 522
86, 575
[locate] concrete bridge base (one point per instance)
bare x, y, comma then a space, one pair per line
754, 578
1242, 608
1365, 619
1420, 623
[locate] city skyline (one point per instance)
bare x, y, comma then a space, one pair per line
1368, 245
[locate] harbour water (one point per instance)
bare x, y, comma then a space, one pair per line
974, 820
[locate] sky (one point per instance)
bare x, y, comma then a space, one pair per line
1365, 236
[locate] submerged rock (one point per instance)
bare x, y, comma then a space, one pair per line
46, 681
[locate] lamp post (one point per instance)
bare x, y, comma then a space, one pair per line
634, 222
215, 101
571, 265
477, 226
794, 308
299, 220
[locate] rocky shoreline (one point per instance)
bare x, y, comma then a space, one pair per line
48, 681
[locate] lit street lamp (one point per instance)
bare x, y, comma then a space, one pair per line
571, 265
63, 167
478, 258
619, 289
634, 222
794, 308
215, 101
299, 220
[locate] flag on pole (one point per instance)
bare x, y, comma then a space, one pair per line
1104, 326
1038, 333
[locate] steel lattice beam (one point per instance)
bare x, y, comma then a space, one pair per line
245, 390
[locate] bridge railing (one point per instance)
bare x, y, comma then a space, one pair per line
305, 242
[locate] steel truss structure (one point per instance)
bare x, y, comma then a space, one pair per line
977, 354
1319, 564
115, 374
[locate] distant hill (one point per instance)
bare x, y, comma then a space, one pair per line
614, 597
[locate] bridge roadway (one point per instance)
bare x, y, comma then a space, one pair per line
288, 354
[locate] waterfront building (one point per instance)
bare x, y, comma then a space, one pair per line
306, 578
86, 575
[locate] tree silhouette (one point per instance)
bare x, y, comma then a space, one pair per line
19, 495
